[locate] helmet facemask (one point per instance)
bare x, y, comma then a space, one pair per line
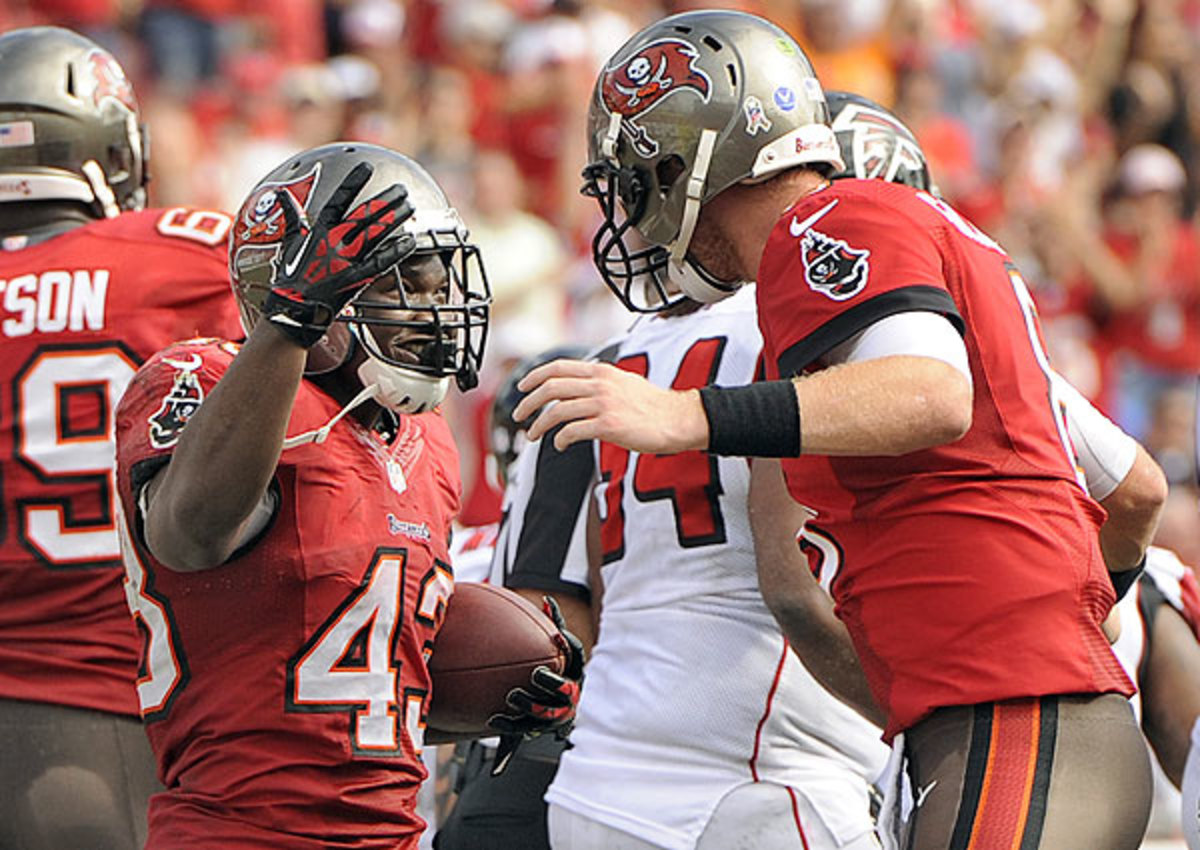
421, 324
637, 275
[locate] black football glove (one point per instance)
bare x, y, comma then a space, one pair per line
548, 703
322, 269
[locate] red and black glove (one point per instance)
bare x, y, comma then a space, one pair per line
548, 703
322, 269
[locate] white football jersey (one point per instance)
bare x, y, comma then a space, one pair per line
691, 689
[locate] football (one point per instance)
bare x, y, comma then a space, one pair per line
490, 642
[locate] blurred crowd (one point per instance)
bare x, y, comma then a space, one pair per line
1066, 129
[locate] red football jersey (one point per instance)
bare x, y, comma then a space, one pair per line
970, 572
78, 314
284, 692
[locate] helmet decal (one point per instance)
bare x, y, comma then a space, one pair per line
756, 116
832, 267
262, 221
879, 139
641, 82
262, 225
785, 98
108, 80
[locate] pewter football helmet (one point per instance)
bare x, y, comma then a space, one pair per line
438, 338
69, 123
685, 109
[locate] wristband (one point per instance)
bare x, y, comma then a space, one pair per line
1122, 580
758, 420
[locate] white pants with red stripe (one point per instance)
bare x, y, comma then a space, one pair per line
754, 816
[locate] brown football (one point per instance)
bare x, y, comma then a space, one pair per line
490, 642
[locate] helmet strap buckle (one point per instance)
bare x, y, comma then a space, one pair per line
608, 145
695, 195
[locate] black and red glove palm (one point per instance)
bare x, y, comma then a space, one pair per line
548, 703
322, 269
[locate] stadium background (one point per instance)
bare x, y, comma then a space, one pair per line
1067, 129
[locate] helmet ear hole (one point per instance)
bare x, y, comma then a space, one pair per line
668, 171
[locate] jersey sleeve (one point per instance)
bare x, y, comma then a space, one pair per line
163, 395
834, 265
542, 543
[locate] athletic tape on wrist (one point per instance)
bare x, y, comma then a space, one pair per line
758, 420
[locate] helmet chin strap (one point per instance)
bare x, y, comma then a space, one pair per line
695, 282
321, 434
100, 188
388, 387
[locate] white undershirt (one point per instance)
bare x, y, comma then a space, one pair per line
918, 332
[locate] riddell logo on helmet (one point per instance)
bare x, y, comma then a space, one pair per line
641, 82
15, 187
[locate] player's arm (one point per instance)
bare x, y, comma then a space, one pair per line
576, 613
198, 504
197, 509
900, 385
1134, 508
801, 606
1170, 689
888, 406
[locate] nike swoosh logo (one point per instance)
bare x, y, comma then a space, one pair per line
191, 365
798, 228
290, 268
923, 793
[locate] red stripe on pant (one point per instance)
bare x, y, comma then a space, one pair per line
1008, 778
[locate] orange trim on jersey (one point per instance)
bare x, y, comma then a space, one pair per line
762, 721
1008, 776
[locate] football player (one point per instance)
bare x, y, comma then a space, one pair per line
766, 757
93, 284
910, 400
287, 549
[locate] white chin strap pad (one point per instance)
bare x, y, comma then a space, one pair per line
402, 391
698, 285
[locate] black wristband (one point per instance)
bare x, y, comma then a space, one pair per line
758, 420
1122, 580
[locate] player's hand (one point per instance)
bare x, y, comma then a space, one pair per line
547, 703
321, 269
598, 401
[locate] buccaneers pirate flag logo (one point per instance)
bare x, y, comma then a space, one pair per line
178, 405
641, 82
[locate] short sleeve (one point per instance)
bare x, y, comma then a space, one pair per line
543, 535
835, 264
163, 395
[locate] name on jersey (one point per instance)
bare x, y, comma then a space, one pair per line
54, 301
